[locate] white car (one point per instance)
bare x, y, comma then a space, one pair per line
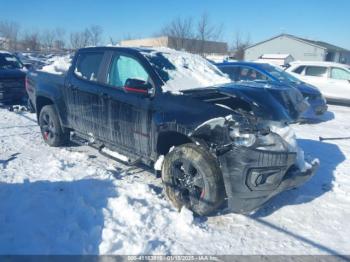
332, 79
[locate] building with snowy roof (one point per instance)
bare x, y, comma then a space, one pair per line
299, 48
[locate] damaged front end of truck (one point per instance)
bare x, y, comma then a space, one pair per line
258, 159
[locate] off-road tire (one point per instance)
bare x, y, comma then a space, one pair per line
50, 127
212, 194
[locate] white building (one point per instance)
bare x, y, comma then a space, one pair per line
299, 48
277, 59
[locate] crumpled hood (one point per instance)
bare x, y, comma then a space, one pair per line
274, 102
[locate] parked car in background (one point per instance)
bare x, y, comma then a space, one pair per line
262, 72
148, 105
332, 79
12, 79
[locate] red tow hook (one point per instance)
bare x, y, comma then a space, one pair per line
46, 135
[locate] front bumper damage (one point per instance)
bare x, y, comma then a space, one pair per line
253, 176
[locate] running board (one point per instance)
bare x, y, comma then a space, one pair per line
118, 157
83, 140
78, 139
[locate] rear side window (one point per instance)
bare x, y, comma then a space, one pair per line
340, 74
231, 71
88, 65
249, 74
318, 71
299, 69
123, 68
8, 61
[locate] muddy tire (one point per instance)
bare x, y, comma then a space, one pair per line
192, 178
50, 127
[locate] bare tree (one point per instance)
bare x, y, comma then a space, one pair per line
31, 40
76, 41
206, 31
80, 39
96, 32
181, 29
239, 45
112, 41
60, 40
10, 31
86, 37
48, 38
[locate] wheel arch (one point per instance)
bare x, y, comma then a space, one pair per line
42, 101
167, 139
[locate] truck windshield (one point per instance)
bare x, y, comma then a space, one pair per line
279, 73
182, 71
8, 61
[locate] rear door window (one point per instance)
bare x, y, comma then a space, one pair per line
231, 71
88, 65
318, 71
124, 67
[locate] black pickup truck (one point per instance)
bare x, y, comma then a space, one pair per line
226, 141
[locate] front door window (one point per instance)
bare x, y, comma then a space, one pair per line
123, 68
340, 74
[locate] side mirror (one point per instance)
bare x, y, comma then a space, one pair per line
137, 86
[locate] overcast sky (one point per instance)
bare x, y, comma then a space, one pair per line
320, 20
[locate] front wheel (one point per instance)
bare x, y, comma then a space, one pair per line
192, 178
50, 127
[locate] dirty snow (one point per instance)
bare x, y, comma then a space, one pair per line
74, 201
58, 65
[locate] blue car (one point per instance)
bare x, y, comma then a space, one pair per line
259, 72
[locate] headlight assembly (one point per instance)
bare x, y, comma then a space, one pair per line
242, 139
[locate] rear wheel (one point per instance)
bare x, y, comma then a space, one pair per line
192, 178
50, 127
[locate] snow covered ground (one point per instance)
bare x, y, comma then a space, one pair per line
74, 201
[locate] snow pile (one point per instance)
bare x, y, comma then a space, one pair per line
74, 201
191, 71
59, 65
